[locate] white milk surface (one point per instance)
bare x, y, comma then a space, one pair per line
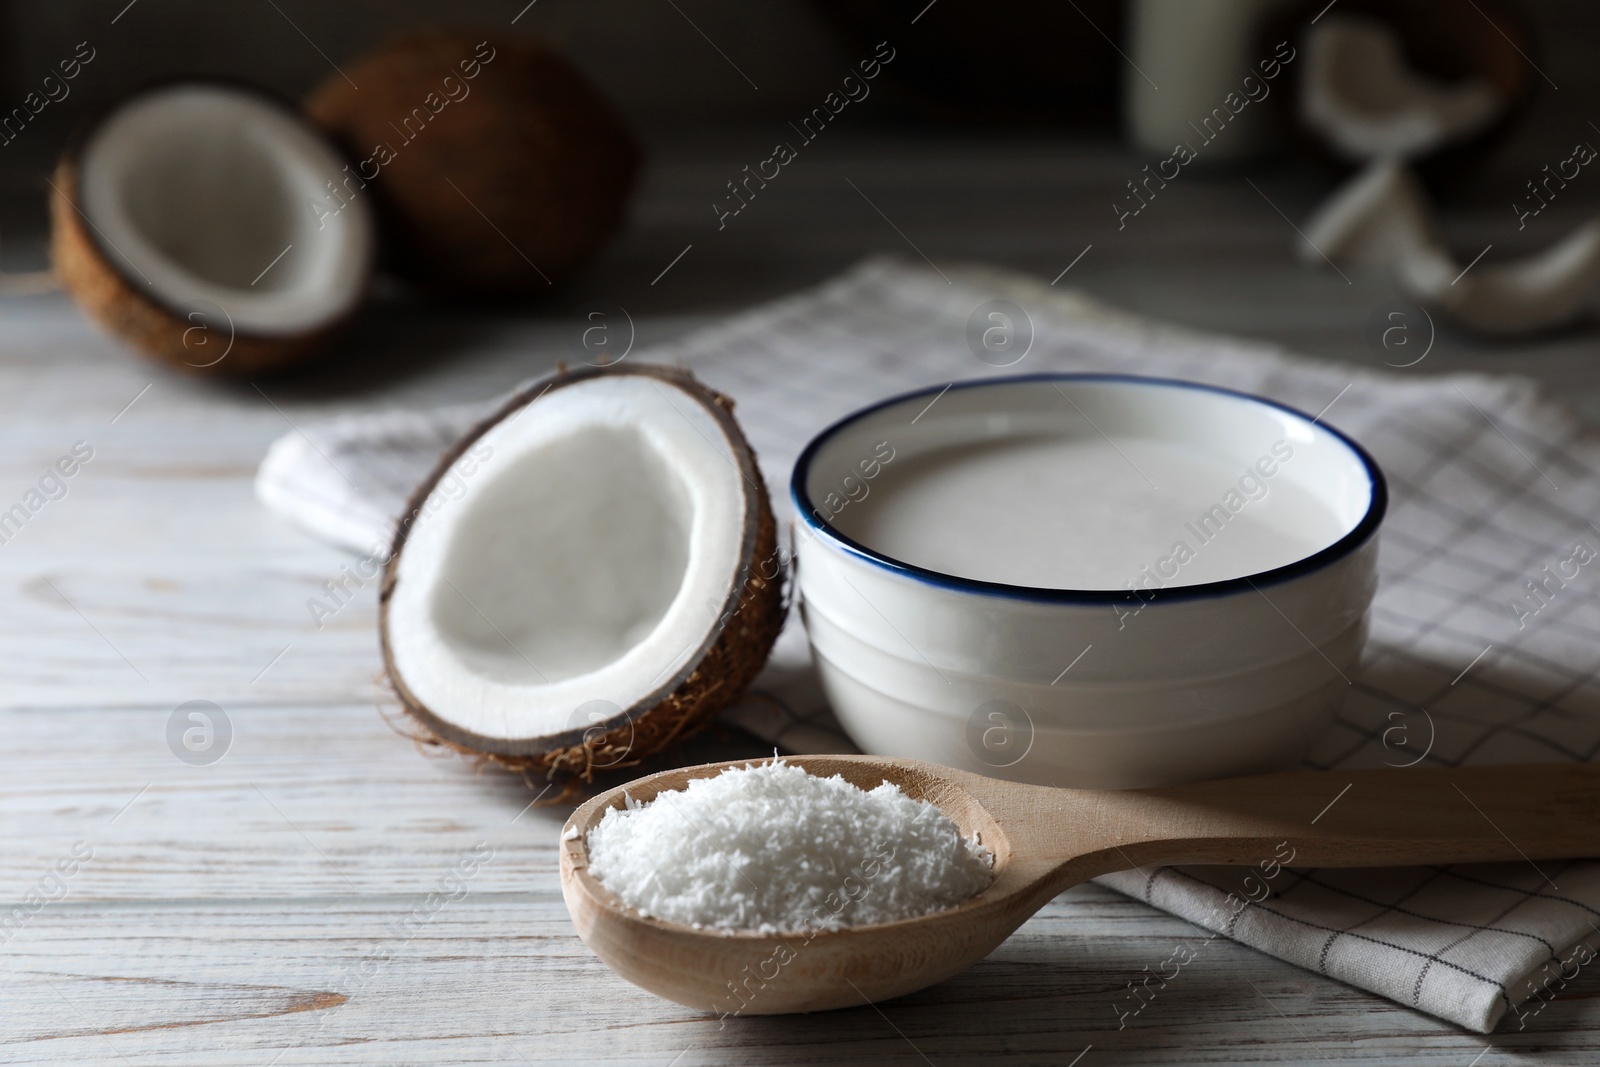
1088, 513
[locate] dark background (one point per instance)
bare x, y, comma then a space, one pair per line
649, 56
994, 136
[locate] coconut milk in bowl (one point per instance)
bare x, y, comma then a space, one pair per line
1086, 580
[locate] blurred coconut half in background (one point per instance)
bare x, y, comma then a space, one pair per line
179, 223
494, 165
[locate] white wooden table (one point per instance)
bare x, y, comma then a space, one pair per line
273, 906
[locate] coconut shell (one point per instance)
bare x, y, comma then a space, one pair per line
713, 678
506, 180
197, 341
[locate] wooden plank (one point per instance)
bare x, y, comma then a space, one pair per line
226, 912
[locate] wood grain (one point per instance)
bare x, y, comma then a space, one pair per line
228, 909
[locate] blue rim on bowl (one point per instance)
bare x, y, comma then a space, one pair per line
1377, 504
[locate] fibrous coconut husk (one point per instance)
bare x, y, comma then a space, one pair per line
509, 186
712, 679
198, 339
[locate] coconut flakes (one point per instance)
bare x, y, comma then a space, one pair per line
774, 849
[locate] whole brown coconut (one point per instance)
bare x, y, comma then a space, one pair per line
494, 164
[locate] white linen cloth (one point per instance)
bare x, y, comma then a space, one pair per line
1490, 483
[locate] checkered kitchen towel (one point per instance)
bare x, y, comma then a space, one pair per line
1491, 483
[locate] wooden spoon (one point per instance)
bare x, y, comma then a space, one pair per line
1046, 840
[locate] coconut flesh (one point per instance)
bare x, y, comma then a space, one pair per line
588, 576
188, 208
1361, 95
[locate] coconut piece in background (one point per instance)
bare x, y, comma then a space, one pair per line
1360, 95
1376, 219
589, 575
1382, 218
1442, 44
495, 164
179, 223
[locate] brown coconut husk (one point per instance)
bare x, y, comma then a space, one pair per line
719, 672
508, 188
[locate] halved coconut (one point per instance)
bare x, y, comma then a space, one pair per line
211, 227
589, 575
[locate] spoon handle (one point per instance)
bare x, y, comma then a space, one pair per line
1362, 818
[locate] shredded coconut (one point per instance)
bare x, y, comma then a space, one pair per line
775, 849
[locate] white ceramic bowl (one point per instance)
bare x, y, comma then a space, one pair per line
1094, 686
